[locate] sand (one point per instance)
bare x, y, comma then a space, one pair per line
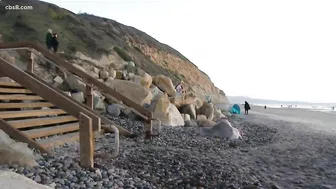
303, 154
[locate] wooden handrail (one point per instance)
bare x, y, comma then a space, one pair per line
88, 79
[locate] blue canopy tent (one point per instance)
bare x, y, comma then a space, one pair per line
235, 109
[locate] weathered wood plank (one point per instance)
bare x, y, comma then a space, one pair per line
25, 105
86, 139
15, 91
30, 113
48, 131
19, 136
9, 84
20, 97
19, 124
89, 97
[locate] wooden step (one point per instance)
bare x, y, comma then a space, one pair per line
15, 91
54, 130
20, 97
9, 84
58, 140
25, 105
30, 113
25, 123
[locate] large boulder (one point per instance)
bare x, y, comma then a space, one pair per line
223, 129
190, 123
202, 121
78, 96
206, 109
103, 74
75, 83
146, 80
7, 57
198, 103
189, 109
175, 116
183, 99
165, 84
12, 180
112, 73
166, 112
155, 90
98, 98
143, 81
186, 117
15, 153
137, 93
218, 114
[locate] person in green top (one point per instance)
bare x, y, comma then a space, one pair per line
48, 39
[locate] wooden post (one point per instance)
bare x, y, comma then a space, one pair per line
86, 141
89, 96
149, 126
30, 66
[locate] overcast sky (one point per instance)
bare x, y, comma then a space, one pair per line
281, 50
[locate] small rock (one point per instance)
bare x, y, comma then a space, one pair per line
113, 110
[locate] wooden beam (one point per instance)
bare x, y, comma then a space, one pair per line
19, 136
89, 97
86, 141
30, 66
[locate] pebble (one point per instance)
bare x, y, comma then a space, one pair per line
179, 158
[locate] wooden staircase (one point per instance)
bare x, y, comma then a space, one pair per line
37, 118
34, 112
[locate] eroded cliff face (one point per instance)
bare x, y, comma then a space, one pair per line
199, 82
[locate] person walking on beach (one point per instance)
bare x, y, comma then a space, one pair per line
48, 39
54, 42
246, 107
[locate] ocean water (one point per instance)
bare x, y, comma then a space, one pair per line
312, 107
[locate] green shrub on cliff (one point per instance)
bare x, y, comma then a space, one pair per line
122, 54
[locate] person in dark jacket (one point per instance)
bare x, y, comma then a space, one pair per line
48, 39
54, 42
246, 107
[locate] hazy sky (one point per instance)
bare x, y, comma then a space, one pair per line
282, 50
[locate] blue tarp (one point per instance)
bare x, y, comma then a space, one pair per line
235, 109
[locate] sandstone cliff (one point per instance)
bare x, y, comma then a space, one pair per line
102, 41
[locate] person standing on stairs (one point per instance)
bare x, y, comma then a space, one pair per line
54, 42
48, 39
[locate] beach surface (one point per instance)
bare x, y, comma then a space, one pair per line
286, 149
